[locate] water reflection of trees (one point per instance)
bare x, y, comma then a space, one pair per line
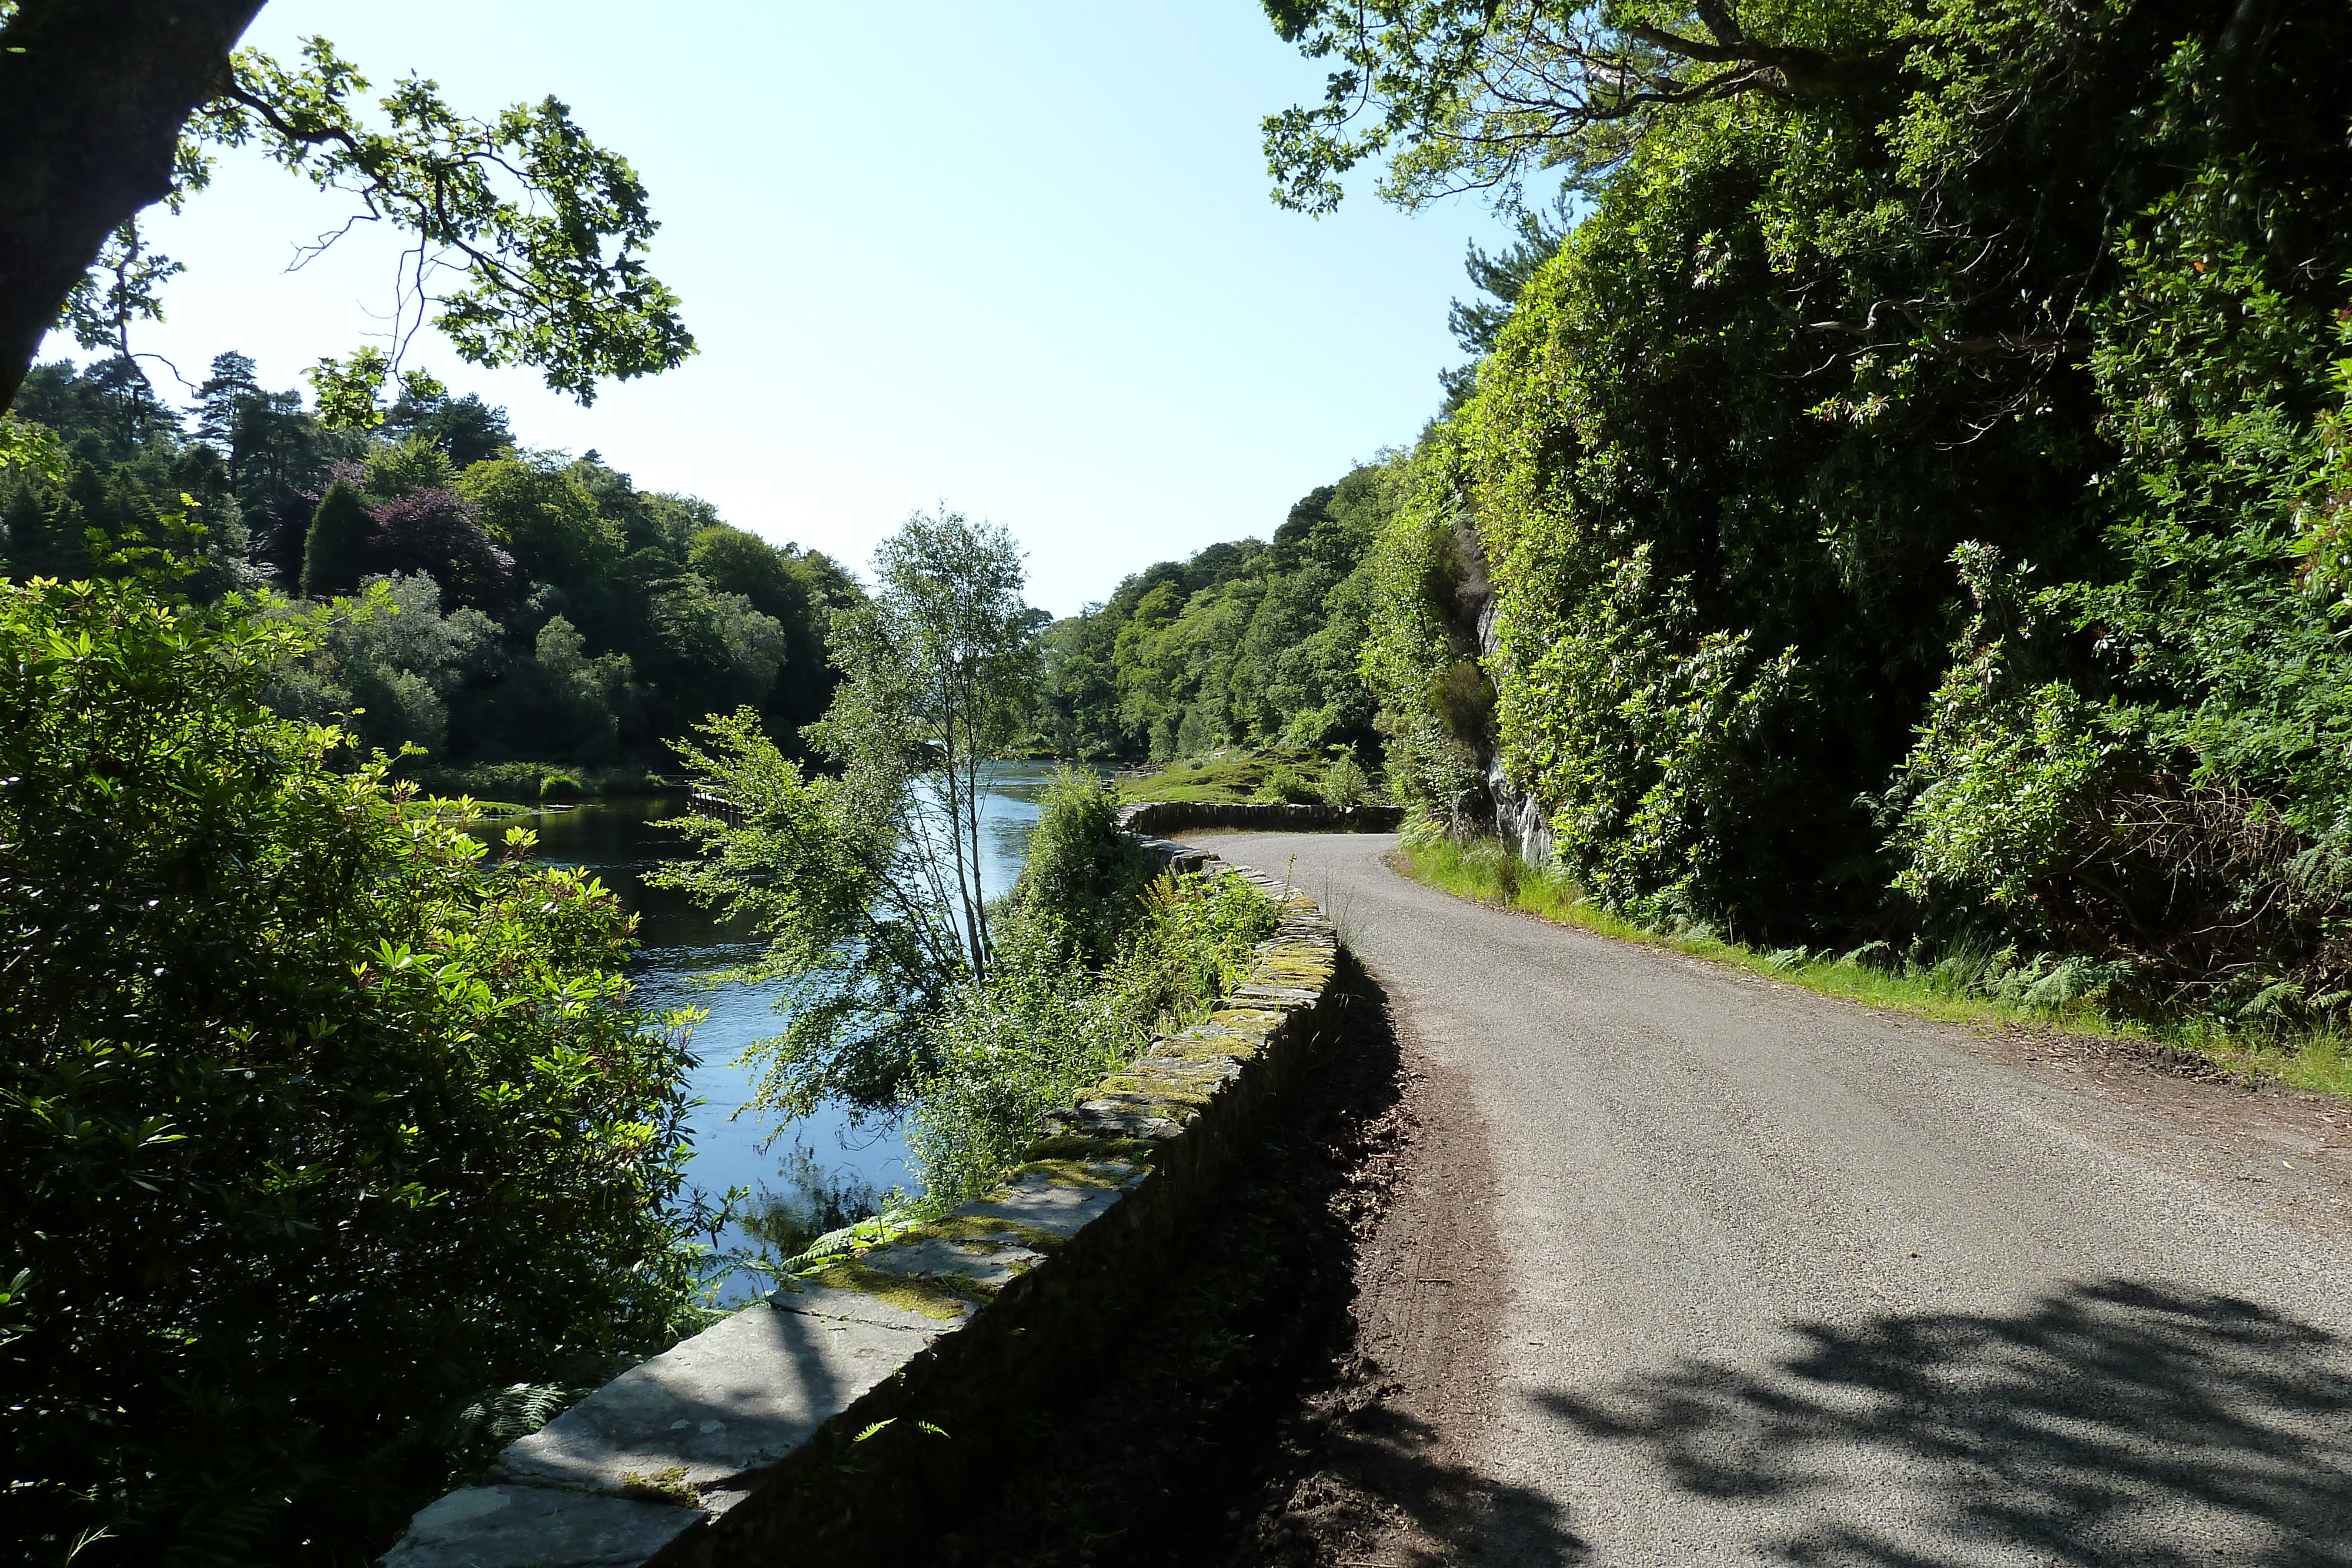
809, 1199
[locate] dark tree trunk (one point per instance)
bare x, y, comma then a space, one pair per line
93, 97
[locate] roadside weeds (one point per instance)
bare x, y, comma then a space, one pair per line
2321, 1065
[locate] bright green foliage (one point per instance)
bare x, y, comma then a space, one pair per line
938, 668
484, 561
1092, 958
866, 884
318, 1122
1232, 777
1344, 783
798, 592
387, 665
98, 483
548, 229
1245, 644
1418, 662
332, 562
855, 929
403, 469
734, 562
1481, 94
1856, 291
1283, 786
1081, 866
534, 507
1635, 720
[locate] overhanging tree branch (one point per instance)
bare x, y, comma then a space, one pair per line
107, 108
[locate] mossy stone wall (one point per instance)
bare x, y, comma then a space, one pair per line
845, 1420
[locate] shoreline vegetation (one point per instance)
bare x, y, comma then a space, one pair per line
907, 991
1233, 777
1965, 986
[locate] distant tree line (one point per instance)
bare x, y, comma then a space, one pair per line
1247, 644
491, 603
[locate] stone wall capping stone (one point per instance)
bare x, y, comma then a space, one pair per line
749, 1442
1164, 817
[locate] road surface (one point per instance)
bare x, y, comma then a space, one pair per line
1790, 1281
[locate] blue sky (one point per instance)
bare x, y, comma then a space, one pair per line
1018, 259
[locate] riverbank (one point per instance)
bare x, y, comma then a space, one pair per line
1236, 778
546, 782
963, 1328
796, 1179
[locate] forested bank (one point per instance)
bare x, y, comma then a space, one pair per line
1898, 497
486, 602
1247, 644
341, 1151
335, 1151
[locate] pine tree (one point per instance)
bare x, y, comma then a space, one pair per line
231, 383
23, 520
331, 556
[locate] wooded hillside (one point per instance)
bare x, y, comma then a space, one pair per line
491, 604
1910, 502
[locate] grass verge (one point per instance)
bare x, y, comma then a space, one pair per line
1232, 777
1489, 873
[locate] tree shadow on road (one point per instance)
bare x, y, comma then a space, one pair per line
2110, 1423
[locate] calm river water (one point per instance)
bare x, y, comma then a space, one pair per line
734, 1145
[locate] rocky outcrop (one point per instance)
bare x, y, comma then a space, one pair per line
1519, 822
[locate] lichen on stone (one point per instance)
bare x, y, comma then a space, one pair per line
1086, 1146
1081, 1172
990, 1234
907, 1291
1156, 1090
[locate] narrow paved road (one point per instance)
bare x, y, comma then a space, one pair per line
1793, 1282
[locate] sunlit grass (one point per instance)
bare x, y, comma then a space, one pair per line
1486, 872
1221, 777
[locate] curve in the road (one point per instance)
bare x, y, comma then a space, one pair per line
1793, 1281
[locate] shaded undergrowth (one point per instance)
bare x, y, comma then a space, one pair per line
1959, 985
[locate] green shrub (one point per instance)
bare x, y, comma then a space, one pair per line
1042, 1029
1081, 867
1283, 786
1344, 783
316, 1122
333, 552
